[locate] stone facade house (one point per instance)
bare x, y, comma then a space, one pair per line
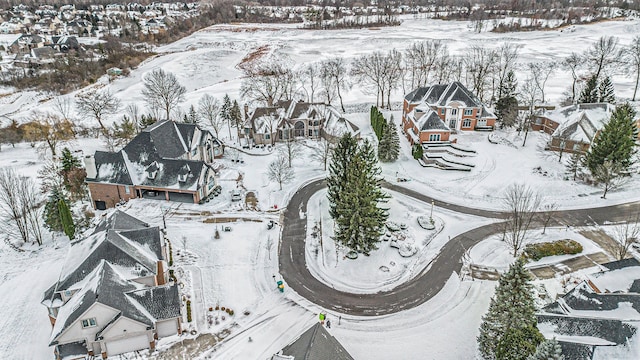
289, 120
112, 294
166, 161
433, 113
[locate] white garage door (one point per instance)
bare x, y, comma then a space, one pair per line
128, 344
167, 328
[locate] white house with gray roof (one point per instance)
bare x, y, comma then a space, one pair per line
112, 295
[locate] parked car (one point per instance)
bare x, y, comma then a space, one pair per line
236, 195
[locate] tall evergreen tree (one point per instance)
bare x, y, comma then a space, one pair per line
378, 122
336, 181
354, 194
52, 219
548, 350
192, 116
507, 105
66, 219
236, 114
615, 142
511, 316
417, 151
389, 146
606, 92
590, 92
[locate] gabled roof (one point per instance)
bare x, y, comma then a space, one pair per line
458, 92
111, 168
169, 171
429, 121
160, 302
316, 344
134, 251
106, 286
580, 122
120, 220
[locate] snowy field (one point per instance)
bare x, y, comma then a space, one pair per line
236, 270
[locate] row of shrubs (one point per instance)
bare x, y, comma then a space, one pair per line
225, 309
189, 311
559, 247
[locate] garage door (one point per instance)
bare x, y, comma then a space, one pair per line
181, 197
167, 328
128, 344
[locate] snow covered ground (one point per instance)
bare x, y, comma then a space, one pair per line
236, 270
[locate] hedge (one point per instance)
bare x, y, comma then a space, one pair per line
188, 310
559, 247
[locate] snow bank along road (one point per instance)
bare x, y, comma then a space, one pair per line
429, 281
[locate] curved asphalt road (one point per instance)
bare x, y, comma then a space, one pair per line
424, 285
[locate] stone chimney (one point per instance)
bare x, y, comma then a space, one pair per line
90, 165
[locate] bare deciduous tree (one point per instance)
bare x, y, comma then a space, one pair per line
63, 106
290, 150
311, 78
540, 72
572, 63
334, 75
163, 90
506, 61
529, 95
279, 171
422, 59
547, 213
607, 174
323, 150
521, 203
480, 64
633, 59
134, 113
624, 235
602, 55
268, 81
97, 104
20, 206
379, 70
209, 109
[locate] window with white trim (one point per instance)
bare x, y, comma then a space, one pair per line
468, 111
454, 111
466, 123
91, 322
434, 137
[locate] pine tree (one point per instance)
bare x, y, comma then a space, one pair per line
615, 142
52, 219
192, 116
507, 105
225, 109
146, 121
354, 194
66, 219
574, 165
590, 92
511, 316
548, 350
378, 123
68, 161
389, 146
606, 92
236, 114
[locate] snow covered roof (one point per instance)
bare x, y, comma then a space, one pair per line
426, 119
72, 350
119, 220
338, 126
134, 251
160, 302
106, 286
580, 122
166, 143
316, 344
266, 119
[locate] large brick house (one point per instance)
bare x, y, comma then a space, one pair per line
432, 113
167, 161
112, 295
290, 120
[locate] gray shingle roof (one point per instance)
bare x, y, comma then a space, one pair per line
615, 331
432, 122
458, 92
72, 350
162, 302
106, 286
167, 176
111, 168
621, 264
316, 344
120, 220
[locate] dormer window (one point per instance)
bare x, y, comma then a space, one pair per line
183, 174
152, 170
91, 322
